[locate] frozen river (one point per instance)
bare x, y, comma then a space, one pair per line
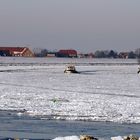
105, 90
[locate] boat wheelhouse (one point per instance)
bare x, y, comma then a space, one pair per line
70, 69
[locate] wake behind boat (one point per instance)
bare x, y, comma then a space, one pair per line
138, 70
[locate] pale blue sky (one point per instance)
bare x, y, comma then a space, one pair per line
84, 25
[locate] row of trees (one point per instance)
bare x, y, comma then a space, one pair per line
38, 52
98, 54
114, 54
105, 54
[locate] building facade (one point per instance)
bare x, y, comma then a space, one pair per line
16, 51
67, 53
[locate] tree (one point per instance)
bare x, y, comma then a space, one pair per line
137, 52
44, 52
40, 52
131, 55
99, 54
112, 54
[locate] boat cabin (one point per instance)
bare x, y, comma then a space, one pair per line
70, 69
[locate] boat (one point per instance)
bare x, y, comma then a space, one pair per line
70, 69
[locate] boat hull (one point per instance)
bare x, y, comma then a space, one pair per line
70, 71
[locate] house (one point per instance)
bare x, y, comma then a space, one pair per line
88, 55
4, 53
123, 55
67, 53
16, 51
51, 54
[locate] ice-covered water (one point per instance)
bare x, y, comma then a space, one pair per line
105, 90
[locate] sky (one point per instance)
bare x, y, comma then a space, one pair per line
84, 25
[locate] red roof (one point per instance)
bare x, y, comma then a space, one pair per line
11, 49
68, 51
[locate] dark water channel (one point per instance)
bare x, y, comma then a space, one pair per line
13, 126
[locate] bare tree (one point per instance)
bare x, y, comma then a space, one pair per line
137, 52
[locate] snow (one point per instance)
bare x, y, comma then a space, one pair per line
67, 138
117, 138
101, 92
78, 138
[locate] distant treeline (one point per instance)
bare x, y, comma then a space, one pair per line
96, 54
